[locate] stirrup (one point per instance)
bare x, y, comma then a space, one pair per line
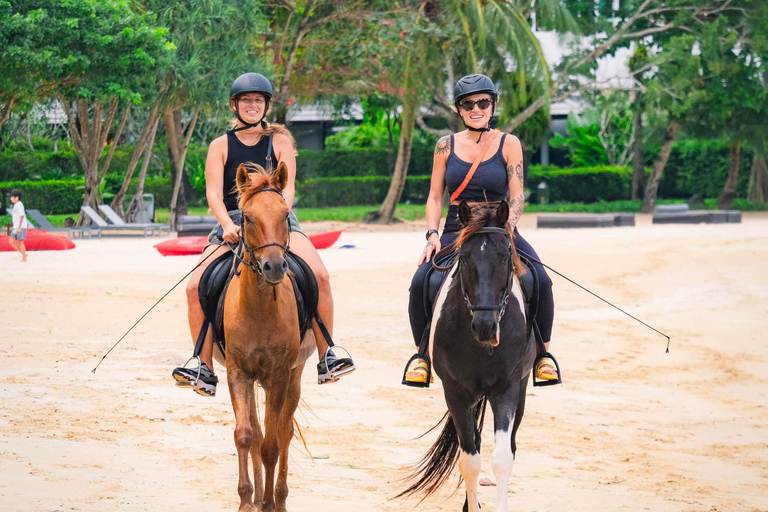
542, 382
199, 369
336, 375
406, 382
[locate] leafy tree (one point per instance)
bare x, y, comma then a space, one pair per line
103, 61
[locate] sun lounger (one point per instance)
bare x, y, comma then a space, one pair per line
586, 220
116, 221
73, 232
96, 219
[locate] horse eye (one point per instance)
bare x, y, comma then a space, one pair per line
246, 219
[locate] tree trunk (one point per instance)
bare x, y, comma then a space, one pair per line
725, 200
638, 153
408, 117
5, 109
652, 188
147, 136
178, 154
138, 201
758, 179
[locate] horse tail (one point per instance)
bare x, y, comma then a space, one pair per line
436, 466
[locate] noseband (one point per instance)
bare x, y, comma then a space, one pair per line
501, 306
253, 263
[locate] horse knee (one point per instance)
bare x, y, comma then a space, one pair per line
269, 453
244, 437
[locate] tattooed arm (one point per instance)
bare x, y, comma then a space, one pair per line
435, 199
513, 155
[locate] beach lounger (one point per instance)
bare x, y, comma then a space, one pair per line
73, 232
116, 221
96, 219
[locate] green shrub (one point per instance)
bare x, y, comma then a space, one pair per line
365, 190
358, 162
65, 196
582, 184
701, 167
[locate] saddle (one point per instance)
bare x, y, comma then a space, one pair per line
435, 279
215, 281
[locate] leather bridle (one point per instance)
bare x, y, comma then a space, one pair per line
253, 263
501, 306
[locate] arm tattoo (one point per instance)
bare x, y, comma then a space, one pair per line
443, 146
516, 210
515, 170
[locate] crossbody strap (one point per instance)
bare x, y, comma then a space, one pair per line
476, 163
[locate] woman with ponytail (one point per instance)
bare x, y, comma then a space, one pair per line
252, 139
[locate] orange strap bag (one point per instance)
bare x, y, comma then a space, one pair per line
476, 163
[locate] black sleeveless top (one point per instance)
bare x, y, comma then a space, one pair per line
489, 182
238, 153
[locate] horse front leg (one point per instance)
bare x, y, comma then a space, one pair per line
505, 409
286, 435
258, 437
462, 410
276, 389
241, 392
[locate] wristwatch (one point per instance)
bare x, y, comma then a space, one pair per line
429, 233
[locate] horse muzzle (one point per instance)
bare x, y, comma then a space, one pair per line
485, 328
274, 270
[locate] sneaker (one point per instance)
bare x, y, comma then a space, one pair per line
331, 368
188, 378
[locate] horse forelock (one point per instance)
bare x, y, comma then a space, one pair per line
259, 180
484, 215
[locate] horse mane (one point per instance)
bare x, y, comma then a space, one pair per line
260, 179
482, 214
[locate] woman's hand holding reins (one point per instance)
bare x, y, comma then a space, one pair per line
433, 247
231, 233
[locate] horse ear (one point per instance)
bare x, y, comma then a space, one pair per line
242, 178
281, 176
465, 213
502, 212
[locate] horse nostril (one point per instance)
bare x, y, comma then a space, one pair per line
267, 266
285, 266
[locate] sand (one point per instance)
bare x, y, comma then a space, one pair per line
632, 428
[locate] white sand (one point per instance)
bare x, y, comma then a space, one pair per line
631, 428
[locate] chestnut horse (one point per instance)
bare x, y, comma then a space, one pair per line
261, 328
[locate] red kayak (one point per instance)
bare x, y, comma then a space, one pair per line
191, 245
39, 240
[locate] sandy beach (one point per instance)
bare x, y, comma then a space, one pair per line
632, 428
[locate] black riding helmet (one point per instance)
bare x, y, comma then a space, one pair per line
250, 82
475, 84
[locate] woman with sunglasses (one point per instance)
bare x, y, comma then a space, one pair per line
497, 177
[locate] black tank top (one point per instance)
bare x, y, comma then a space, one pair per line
238, 153
489, 182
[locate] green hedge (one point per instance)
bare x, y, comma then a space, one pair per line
365, 190
66, 196
63, 196
701, 167
359, 162
583, 184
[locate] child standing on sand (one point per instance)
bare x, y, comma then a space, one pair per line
20, 224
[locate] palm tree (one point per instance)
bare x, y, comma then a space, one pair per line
492, 36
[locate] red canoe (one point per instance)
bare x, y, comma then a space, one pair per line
190, 245
39, 240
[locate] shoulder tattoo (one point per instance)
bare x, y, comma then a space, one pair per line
443, 146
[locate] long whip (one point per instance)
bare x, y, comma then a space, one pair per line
531, 258
150, 309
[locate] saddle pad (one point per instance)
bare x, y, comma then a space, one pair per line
216, 278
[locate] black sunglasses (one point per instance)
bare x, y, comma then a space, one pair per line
468, 105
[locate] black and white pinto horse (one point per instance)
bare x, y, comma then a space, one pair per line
482, 352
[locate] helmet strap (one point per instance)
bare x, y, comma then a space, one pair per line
246, 125
481, 130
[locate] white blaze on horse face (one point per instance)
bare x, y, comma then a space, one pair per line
469, 467
482, 247
502, 461
517, 292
